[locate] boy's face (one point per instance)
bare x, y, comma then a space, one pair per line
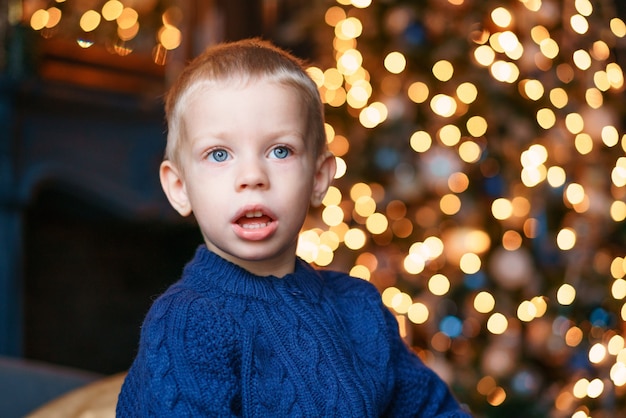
248, 173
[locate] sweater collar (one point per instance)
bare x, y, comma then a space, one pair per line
208, 270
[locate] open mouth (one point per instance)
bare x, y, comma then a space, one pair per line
254, 220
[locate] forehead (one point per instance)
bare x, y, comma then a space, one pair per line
242, 88
256, 92
262, 106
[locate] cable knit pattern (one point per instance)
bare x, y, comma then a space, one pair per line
223, 342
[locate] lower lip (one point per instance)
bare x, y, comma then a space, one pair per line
255, 234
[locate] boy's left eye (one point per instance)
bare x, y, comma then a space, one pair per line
281, 152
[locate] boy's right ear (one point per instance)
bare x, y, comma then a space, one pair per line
174, 188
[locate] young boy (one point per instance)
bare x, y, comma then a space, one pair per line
250, 329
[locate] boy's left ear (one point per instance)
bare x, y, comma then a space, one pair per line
324, 175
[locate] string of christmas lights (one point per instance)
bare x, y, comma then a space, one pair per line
481, 189
122, 27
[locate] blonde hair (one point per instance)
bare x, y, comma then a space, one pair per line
242, 61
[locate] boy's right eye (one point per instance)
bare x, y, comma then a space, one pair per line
218, 155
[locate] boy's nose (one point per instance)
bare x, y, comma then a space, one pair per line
252, 175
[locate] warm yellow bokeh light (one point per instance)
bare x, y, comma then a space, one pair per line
533, 89
361, 4
434, 247
549, 48
526, 311
90, 20
497, 323
501, 17
377, 223
355, 239
466, 92
361, 272
504, 71
618, 27
579, 24
618, 289
484, 302
618, 211
595, 388
112, 9
566, 239
39, 19
128, 18
582, 59
54, 17
546, 118
418, 313
574, 193
484, 55
539, 33
421, 141
618, 269
556, 176
566, 294
511, 240
395, 62
597, 353
414, 264
470, 263
616, 345
501, 208
573, 336
583, 143
439, 284
559, 97
443, 70
365, 206
450, 204
610, 136
170, 37
443, 105
458, 182
450, 135
401, 303
332, 215
476, 126
348, 28
389, 294
418, 92
334, 15
341, 167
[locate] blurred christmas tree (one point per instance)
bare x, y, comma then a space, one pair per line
481, 189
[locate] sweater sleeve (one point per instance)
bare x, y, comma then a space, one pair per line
418, 391
187, 364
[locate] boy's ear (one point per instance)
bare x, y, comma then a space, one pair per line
324, 175
174, 188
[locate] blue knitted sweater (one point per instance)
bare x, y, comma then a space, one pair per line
224, 342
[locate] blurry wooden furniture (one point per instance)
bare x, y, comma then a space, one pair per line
95, 400
26, 384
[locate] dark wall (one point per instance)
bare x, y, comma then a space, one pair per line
90, 277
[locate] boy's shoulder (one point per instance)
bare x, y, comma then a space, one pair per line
349, 286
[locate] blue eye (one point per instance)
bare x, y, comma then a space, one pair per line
281, 152
218, 155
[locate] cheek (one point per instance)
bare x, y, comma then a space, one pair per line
205, 198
